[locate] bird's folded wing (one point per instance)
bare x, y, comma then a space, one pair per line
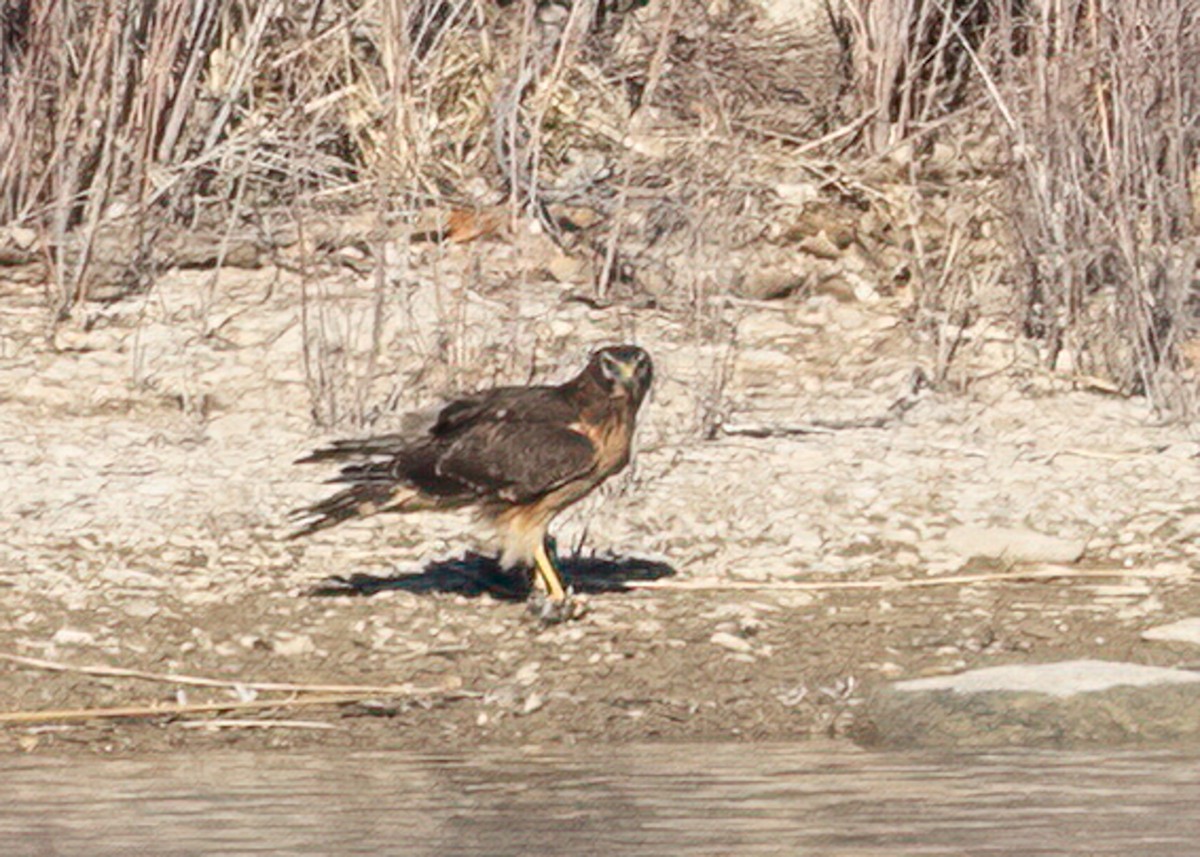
517, 462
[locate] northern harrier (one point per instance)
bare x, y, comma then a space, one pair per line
520, 455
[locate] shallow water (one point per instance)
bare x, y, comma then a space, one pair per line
719, 799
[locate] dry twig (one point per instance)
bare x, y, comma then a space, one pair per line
200, 681
240, 723
173, 709
1033, 575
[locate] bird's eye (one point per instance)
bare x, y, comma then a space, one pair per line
610, 367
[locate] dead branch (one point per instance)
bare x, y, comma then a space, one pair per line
1033, 575
200, 681
173, 710
241, 723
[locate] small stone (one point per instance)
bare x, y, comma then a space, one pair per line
805, 541
73, 637
141, 608
290, 645
732, 642
21, 236
901, 155
1183, 631
1014, 544
533, 702
566, 269
769, 284
820, 245
528, 673
381, 637
502, 696
797, 194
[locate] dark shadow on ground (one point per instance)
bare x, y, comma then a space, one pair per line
474, 574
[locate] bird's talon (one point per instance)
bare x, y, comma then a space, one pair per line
555, 611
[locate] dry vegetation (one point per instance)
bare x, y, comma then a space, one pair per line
1032, 159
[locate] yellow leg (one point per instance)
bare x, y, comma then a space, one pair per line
548, 574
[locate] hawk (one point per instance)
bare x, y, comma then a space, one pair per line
519, 455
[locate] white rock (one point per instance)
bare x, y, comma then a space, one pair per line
805, 541
532, 703
732, 642
528, 673
73, 637
1066, 678
291, 645
797, 194
22, 236
159, 486
141, 608
800, 13
1016, 544
1183, 631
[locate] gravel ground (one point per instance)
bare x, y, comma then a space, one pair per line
789, 467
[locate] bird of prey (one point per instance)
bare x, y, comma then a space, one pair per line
519, 455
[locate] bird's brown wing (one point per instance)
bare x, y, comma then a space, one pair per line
512, 404
510, 444
516, 461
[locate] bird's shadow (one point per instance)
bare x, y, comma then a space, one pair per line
474, 574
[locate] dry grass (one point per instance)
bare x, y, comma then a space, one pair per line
1095, 104
1101, 102
667, 125
911, 63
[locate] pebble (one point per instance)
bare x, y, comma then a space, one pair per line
73, 637
140, 608
528, 673
291, 645
1014, 544
532, 703
1061, 679
732, 642
1183, 631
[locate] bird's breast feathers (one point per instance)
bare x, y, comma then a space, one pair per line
611, 438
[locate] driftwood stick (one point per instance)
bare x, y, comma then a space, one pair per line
243, 723
201, 681
174, 709
1027, 576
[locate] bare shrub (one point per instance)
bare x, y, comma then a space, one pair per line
1101, 101
911, 62
1096, 105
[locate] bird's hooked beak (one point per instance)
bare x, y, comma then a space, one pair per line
626, 371
621, 373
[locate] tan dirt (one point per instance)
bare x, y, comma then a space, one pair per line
146, 453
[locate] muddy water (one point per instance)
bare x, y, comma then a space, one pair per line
645, 800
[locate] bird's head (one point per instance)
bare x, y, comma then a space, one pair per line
623, 371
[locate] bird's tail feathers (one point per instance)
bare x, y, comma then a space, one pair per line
360, 500
357, 448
